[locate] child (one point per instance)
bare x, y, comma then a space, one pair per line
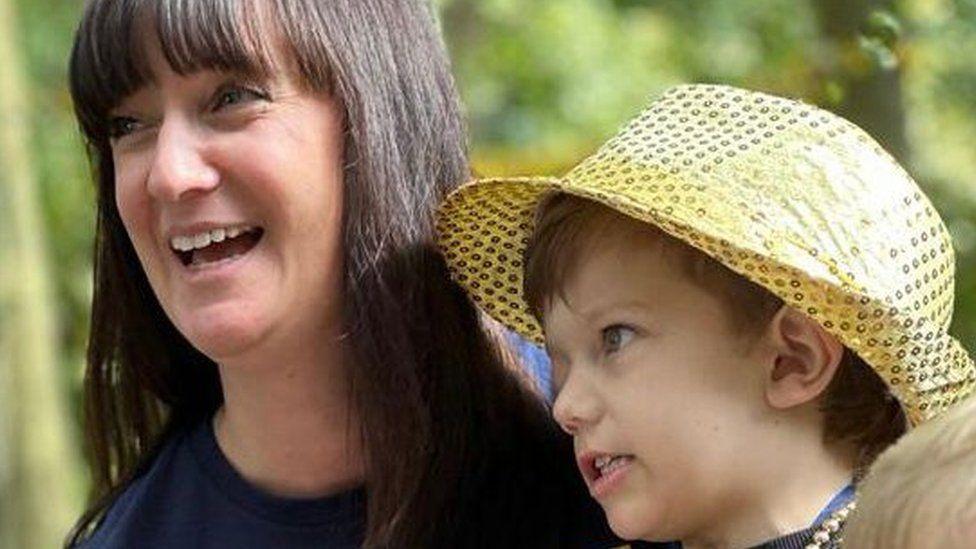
743, 298
922, 491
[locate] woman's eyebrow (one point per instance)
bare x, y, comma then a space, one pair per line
252, 74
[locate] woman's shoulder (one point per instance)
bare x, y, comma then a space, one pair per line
143, 491
191, 496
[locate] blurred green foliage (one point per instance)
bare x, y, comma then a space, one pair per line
59, 161
546, 81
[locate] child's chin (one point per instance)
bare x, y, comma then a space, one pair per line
629, 525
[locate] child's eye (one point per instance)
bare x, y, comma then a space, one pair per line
616, 336
231, 95
121, 126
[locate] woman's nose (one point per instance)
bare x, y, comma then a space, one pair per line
576, 405
180, 167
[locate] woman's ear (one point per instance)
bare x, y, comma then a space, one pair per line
804, 360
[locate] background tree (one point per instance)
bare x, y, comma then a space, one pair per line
40, 463
863, 38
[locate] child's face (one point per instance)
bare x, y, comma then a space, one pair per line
648, 366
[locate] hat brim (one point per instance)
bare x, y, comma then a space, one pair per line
484, 227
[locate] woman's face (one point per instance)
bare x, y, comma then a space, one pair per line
231, 192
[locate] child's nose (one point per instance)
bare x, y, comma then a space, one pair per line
576, 404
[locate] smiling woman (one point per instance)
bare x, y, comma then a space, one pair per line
277, 354
208, 155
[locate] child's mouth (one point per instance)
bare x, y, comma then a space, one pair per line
597, 465
604, 472
607, 464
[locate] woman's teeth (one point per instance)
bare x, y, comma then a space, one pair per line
206, 238
608, 464
216, 244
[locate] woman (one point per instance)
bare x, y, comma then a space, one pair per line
277, 356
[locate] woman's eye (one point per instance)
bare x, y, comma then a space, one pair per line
121, 126
234, 95
615, 337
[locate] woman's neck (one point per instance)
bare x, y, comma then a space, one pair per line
289, 426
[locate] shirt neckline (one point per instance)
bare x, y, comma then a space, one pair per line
344, 510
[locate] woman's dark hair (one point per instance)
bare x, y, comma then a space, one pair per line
459, 452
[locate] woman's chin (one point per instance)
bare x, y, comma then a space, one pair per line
223, 337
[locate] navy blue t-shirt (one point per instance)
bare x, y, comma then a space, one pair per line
193, 497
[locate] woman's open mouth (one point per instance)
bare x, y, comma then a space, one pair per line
215, 245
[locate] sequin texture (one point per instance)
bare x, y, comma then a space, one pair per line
786, 194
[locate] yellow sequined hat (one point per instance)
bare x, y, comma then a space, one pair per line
790, 196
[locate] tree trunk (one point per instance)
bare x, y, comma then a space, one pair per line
871, 94
39, 500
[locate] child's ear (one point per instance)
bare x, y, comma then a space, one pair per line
805, 358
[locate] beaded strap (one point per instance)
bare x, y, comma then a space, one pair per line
827, 534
